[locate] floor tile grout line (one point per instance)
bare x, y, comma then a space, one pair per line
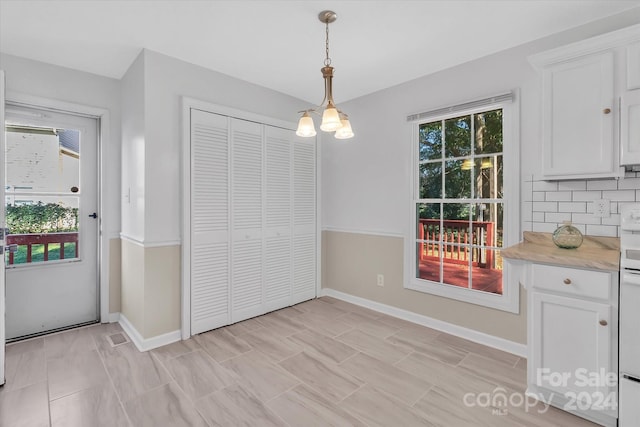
46, 371
422, 396
364, 383
402, 359
351, 357
266, 402
111, 381
314, 388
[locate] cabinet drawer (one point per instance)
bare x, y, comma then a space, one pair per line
572, 281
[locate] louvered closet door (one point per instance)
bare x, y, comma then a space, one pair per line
278, 224
304, 219
209, 221
246, 220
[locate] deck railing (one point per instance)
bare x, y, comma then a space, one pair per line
46, 239
457, 241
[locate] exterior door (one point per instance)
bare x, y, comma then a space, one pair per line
2, 237
51, 202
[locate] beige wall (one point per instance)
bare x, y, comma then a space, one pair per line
132, 301
151, 288
115, 275
161, 290
351, 263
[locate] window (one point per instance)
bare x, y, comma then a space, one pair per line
465, 204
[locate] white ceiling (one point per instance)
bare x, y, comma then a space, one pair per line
280, 44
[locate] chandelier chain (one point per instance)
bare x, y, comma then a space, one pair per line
327, 60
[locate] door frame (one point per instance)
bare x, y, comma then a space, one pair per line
102, 116
192, 103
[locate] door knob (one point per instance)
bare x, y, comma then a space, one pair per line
567, 281
603, 322
93, 215
606, 110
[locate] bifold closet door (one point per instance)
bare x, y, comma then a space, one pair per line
253, 219
304, 220
209, 221
246, 220
278, 223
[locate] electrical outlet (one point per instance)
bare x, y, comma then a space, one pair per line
601, 208
380, 279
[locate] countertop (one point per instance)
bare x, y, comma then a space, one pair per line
597, 253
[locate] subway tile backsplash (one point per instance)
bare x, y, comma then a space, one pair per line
547, 204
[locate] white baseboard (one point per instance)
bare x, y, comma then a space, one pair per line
146, 344
113, 317
459, 331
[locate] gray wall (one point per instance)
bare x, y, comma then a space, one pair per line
366, 183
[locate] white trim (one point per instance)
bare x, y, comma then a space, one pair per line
472, 335
2, 240
460, 109
510, 299
130, 239
185, 218
589, 46
161, 243
222, 110
113, 318
318, 215
143, 344
380, 233
103, 118
149, 244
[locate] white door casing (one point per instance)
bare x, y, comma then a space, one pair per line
2, 240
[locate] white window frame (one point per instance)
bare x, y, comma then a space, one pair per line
510, 299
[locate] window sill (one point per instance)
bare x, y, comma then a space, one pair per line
509, 301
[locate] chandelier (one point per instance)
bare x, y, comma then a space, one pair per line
333, 120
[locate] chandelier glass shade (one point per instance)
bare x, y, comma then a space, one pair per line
333, 120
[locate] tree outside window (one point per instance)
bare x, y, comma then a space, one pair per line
459, 204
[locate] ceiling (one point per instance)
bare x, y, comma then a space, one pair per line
280, 44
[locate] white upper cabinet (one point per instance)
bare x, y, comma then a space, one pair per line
633, 66
578, 104
581, 88
630, 127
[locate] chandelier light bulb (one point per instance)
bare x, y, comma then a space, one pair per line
345, 132
330, 119
306, 127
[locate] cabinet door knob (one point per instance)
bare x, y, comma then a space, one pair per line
607, 110
567, 281
603, 323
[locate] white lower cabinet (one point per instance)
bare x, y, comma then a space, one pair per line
573, 330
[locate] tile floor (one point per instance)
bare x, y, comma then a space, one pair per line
322, 362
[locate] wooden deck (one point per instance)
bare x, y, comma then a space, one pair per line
484, 279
